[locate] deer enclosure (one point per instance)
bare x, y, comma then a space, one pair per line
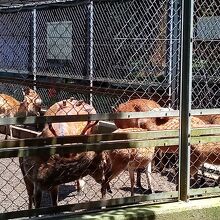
107, 103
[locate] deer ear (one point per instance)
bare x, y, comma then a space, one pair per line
26, 91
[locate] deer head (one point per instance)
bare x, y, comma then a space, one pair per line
32, 102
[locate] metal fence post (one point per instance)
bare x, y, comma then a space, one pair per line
174, 50
34, 45
90, 48
185, 98
170, 46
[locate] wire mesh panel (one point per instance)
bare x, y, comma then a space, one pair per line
60, 42
133, 46
102, 53
15, 41
81, 58
206, 55
204, 157
136, 51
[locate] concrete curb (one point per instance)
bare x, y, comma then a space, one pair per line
200, 209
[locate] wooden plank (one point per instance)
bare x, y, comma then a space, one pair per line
90, 117
147, 135
21, 151
6, 152
205, 139
76, 118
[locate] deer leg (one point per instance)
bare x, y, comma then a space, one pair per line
149, 179
132, 179
30, 191
37, 196
218, 181
108, 188
29, 185
138, 184
196, 161
10, 131
105, 184
159, 160
105, 187
54, 196
80, 183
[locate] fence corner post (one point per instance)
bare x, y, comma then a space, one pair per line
185, 98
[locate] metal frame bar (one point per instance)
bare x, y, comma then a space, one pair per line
77, 143
175, 52
185, 96
76, 88
34, 45
75, 118
208, 135
103, 116
83, 147
44, 4
170, 46
90, 49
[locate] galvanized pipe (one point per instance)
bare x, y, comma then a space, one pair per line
91, 17
34, 45
185, 98
175, 53
170, 56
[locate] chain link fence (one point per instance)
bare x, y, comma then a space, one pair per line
106, 53
206, 56
136, 50
205, 87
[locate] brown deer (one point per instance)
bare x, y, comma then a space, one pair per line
49, 172
129, 159
139, 105
210, 119
10, 107
200, 153
46, 173
65, 107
